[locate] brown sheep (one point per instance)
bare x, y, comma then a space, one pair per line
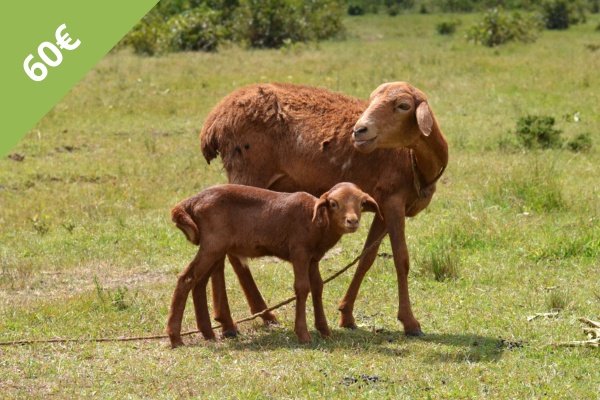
245, 221
291, 138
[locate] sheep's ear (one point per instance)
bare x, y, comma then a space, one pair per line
424, 118
320, 212
369, 204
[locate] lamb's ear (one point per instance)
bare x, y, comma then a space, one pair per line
320, 212
424, 118
369, 204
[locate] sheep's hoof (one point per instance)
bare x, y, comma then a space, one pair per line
209, 335
175, 343
230, 333
348, 325
269, 319
325, 332
414, 333
304, 338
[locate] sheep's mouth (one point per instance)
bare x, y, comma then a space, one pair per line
365, 145
351, 228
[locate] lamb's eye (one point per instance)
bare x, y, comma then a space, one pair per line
333, 204
403, 106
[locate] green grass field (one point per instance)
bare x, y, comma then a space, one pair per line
87, 248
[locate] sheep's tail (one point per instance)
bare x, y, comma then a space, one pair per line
209, 138
246, 107
184, 221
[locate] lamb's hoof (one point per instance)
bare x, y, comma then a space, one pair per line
414, 333
175, 343
230, 333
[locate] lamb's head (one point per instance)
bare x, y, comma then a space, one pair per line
397, 114
340, 208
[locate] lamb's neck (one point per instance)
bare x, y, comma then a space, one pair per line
329, 238
431, 155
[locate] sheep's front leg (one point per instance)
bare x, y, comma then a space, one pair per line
316, 289
395, 222
188, 279
346, 305
301, 287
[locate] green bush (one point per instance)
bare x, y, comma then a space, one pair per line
197, 29
538, 132
556, 14
447, 27
559, 14
394, 7
272, 23
149, 37
457, 5
580, 143
355, 9
497, 28
200, 25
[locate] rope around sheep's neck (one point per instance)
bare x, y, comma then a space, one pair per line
422, 189
155, 337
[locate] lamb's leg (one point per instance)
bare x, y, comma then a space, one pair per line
220, 301
301, 287
346, 305
255, 299
195, 271
395, 224
201, 308
316, 289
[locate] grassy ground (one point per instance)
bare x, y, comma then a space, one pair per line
87, 248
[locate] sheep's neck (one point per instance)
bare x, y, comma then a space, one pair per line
430, 157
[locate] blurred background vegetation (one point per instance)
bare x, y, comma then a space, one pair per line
204, 25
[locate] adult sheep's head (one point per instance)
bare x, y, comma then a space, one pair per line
397, 115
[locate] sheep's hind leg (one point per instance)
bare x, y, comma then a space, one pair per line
255, 299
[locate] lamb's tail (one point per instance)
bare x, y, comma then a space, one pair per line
184, 221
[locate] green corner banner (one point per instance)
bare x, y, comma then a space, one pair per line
47, 47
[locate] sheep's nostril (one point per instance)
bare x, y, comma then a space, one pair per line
361, 130
352, 221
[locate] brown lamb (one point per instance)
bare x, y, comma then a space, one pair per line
292, 138
243, 221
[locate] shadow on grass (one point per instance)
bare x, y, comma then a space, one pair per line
458, 348
470, 347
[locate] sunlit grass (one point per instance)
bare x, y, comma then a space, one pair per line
87, 248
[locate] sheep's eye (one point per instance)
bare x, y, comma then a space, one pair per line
403, 106
333, 204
